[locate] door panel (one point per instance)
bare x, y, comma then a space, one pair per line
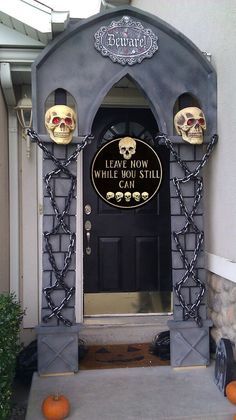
130, 248
147, 262
109, 254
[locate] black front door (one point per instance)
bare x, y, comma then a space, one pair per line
126, 250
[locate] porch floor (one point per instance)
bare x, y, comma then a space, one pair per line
150, 393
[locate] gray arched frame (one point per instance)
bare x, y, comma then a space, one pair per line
71, 62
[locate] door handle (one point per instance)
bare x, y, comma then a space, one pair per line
88, 227
88, 248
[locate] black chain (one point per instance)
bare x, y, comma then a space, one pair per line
190, 310
60, 274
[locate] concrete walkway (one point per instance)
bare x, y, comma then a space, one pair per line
151, 393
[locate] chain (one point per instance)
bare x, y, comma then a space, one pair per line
190, 310
60, 274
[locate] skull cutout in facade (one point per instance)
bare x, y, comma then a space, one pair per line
127, 147
190, 124
60, 122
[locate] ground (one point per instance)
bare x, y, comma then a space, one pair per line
20, 400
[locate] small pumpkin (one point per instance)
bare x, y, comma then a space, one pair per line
55, 407
231, 392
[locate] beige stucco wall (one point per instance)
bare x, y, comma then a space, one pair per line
4, 200
211, 25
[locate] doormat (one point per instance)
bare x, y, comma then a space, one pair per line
120, 356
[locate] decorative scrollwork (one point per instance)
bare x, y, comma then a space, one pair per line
126, 41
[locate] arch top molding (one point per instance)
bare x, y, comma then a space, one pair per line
72, 62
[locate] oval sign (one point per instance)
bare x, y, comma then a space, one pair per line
126, 41
126, 172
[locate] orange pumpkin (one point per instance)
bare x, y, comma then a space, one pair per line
231, 392
55, 407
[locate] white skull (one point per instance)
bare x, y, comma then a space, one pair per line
136, 196
127, 196
127, 147
119, 196
60, 121
110, 195
190, 124
145, 195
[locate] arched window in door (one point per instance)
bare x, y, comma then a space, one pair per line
131, 128
137, 123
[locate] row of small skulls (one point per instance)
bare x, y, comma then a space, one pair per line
127, 196
60, 122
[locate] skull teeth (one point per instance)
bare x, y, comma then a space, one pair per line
60, 134
194, 134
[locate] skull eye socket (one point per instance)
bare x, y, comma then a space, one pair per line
131, 149
56, 120
68, 121
123, 149
191, 121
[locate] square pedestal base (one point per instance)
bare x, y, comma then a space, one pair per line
57, 349
189, 344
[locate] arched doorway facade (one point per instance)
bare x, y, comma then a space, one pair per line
171, 73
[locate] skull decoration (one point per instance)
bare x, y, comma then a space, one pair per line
190, 123
127, 196
119, 196
136, 196
127, 147
145, 195
110, 195
60, 121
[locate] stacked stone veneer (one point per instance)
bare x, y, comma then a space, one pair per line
222, 308
186, 333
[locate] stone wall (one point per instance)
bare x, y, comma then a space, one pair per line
191, 155
189, 344
222, 308
60, 184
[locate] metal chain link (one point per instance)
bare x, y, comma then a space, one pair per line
190, 310
60, 274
